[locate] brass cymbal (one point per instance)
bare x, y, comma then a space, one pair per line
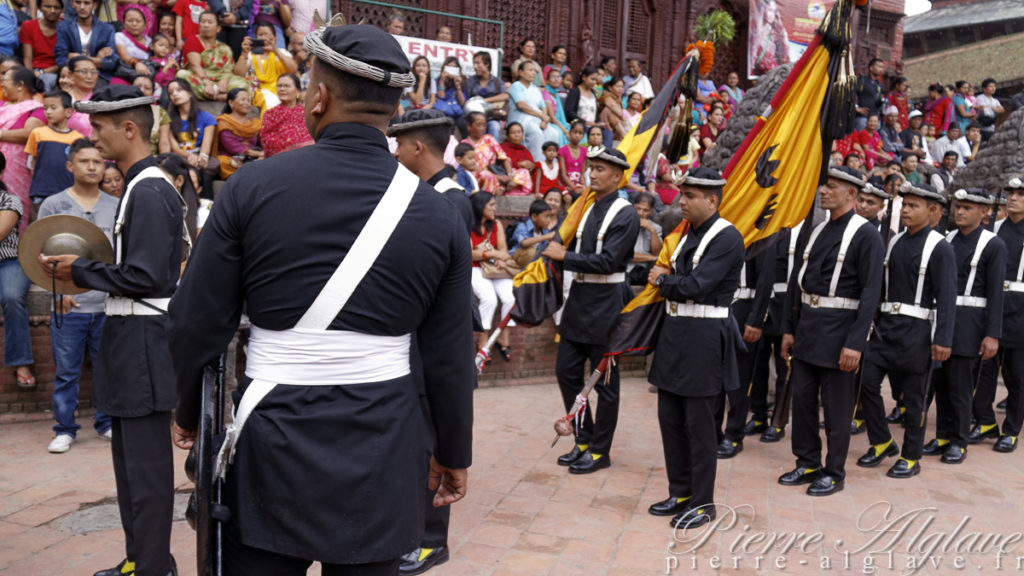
56, 235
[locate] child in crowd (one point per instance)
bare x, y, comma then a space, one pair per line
465, 174
186, 25
532, 234
574, 158
160, 54
551, 171
46, 149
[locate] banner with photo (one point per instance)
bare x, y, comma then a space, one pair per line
437, 52
780, 31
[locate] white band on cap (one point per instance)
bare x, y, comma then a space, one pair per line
963, 195
314, 42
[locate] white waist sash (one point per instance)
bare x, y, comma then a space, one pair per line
325, 357
614, 278
971, 301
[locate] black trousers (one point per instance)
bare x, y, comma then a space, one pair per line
1013, 377
688, 437
569, 368
836, 389
435, 520
873, 408
144, 474
985, 392
242, 560
739, 399
954, 383
771, 345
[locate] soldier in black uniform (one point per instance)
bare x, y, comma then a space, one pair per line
915, 329
749, 308
785, 258
422, 136
981, 267
597, 257
339, 255
829, 308
1011, 353
870, 202
695, 356
134, 376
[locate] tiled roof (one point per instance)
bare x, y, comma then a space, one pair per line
967, 14
999, 58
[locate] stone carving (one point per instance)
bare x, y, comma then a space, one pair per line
1001, 160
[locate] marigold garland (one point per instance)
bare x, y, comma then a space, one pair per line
707, 55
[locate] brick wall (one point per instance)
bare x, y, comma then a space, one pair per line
14, 399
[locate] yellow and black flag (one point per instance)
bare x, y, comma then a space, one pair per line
774, 176
538, 288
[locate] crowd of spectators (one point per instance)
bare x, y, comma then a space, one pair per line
927, 140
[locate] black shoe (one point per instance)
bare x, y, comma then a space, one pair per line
590, 462
416, 563
568, 459
954, 454
896, 416
800, 476
506, 355
693, 517
773, 434
122, 569
669, 507
1002, 404
755, 427
903, 469
935, 448
728, 449
873, 458
1006, 444
825, 486
856, 427
977, 434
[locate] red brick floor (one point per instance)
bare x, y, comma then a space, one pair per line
525, 515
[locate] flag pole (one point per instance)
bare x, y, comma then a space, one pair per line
484, 353
562, 425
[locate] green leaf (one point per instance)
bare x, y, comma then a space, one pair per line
717, 26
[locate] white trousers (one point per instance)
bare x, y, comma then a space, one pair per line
488, 291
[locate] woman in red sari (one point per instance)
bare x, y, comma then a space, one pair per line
938, 111
520, 157
284, 126
868, 143
899, 98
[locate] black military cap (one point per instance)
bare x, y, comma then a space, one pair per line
975, 195
365, 51
875, 187
113, 98
1015, 183
924, 191
702, 177
417, 120
609, 155
847, 175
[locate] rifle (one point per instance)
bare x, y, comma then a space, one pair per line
205, 512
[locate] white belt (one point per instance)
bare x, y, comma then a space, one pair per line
780, 288
305, 357
121, 306
971, 301
836, 302
902, 309
1010, 286
616, 278
743, 294
692, 310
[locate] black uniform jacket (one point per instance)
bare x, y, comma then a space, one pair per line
903, 343
333, 473
134, 375
457, 196
696, 357
780, 275
760, 276
591, 309
821, 333
975, 324
1013, 302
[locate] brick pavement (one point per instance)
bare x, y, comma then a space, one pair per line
526, 516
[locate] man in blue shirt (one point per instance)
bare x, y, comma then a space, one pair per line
533, 234
87, 36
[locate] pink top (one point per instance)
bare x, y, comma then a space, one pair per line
573, 166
